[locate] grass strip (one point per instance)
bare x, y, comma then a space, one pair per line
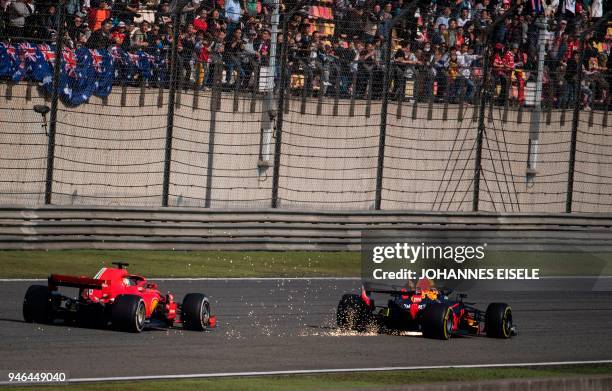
343, 381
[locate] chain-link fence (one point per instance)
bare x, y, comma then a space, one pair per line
347, 104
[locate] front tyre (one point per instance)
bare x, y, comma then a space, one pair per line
37, 305
498, 320
437, 321
129, 313
195, 312
353, 314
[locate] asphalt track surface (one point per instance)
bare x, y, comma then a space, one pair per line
276, 325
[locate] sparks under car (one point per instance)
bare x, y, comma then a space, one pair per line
425, 309
126, 301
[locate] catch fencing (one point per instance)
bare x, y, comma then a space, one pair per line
304, 131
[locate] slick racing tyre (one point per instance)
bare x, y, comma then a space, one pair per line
498, 320
195, 312
437, 321
37, 305
129, 313
353, 314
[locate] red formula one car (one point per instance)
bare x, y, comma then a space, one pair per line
423, 309
126, 301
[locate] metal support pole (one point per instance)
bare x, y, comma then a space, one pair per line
576, 117
481, 129
281, 99
57, 67
481, 107
268, 110
215, 105
534, 126
170, 113
382, 136
279, 118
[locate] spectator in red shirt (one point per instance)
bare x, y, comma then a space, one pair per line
200, 23
503, 65
118, 34
97, 15
518, 63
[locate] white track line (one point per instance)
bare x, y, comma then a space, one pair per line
334, 370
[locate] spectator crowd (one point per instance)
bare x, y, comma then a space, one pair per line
337, 46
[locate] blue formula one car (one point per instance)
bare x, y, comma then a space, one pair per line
423, 309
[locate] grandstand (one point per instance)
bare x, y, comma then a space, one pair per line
441, 106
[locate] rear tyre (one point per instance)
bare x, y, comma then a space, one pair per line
498, 320
128, 313
353, 314
37, 305
437, 321
195, 312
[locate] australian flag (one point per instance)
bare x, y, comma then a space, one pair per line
146, 63
43, 70
103, 72
83, 72
11, 64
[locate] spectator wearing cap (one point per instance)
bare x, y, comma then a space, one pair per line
118, 33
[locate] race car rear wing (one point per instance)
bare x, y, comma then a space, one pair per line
396, 291
57, 280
